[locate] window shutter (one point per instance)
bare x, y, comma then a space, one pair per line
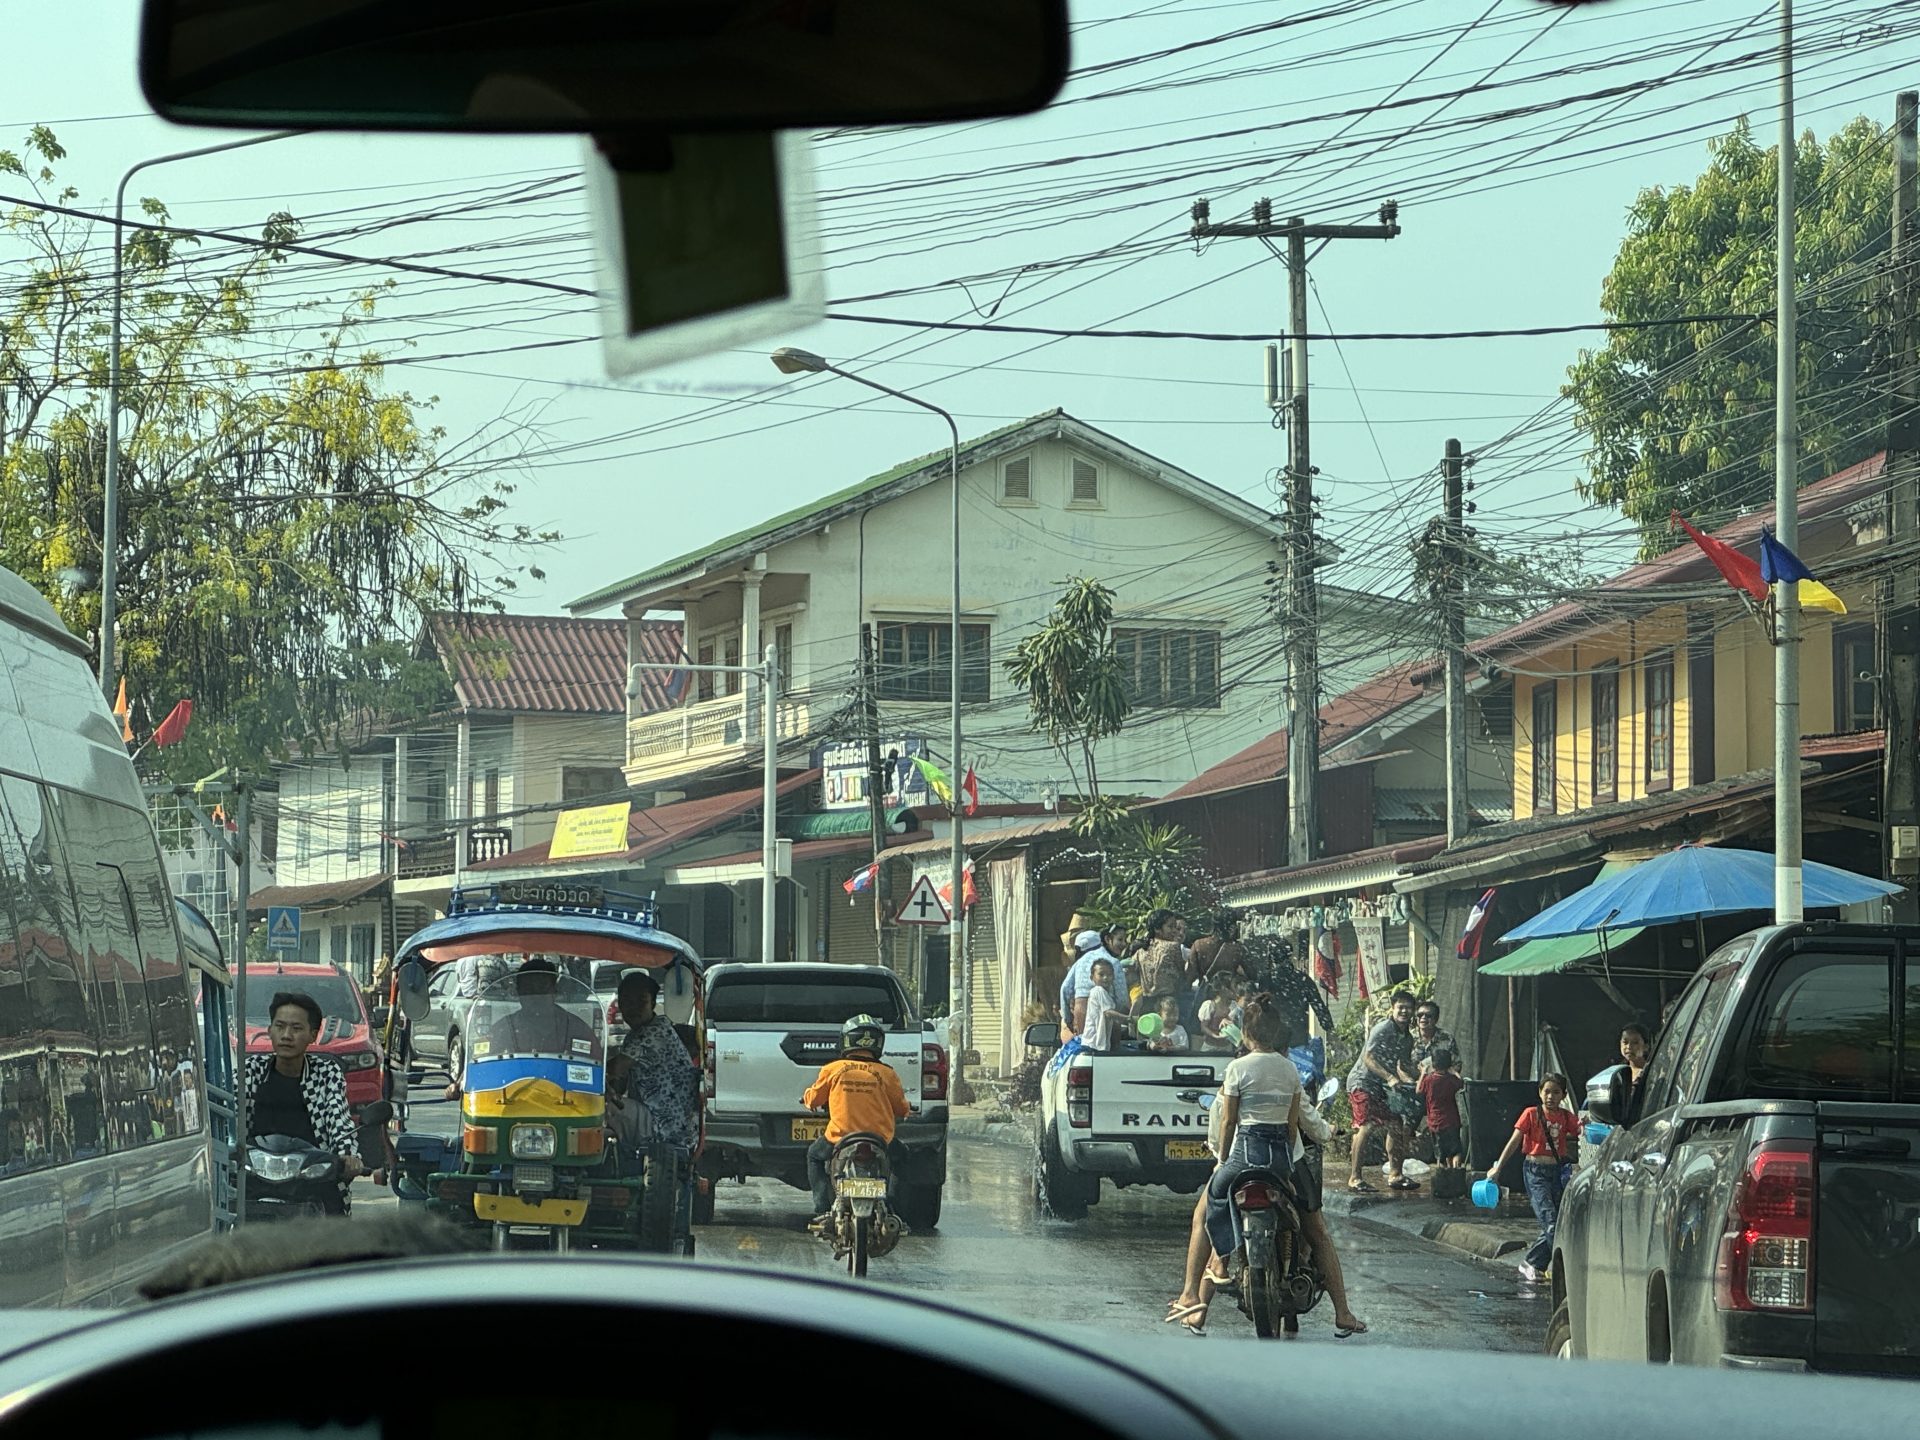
1016, 479
1086, 483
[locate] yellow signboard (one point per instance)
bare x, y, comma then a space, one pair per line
596, 830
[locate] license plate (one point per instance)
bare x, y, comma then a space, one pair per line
862, 1189
1187, 1150
809, 1129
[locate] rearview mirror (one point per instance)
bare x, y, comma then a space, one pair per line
1043, 1035
597, 65
1608, 1094
1328, 1090
413, 990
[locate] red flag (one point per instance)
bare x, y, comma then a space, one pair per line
970, 787
969, 892
1736, 569
173, 729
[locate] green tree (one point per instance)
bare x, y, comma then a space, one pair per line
286, 517
1681, 416
1076, 686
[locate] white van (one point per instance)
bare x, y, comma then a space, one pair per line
106, 1162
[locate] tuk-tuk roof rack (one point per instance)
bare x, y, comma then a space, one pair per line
552, 898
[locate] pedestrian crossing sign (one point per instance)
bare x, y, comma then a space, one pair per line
283, 927
923, 905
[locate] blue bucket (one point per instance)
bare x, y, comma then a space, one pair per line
1486, 1194
1597, 1133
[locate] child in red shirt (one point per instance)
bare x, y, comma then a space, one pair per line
1440, 1091
1546, 1136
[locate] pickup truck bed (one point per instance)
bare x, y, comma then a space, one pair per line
1760, 1205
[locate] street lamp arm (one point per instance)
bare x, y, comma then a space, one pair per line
952, 428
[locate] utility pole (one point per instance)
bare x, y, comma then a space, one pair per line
1454, 578
1301, 617
876, 790
1900, 805
1788, 891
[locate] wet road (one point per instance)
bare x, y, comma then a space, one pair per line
1117, 1269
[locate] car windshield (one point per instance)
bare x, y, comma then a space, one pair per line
332, 992
1184, 575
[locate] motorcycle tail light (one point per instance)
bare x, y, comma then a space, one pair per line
1253, 1197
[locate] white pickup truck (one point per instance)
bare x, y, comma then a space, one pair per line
770, 1027
1133, 1116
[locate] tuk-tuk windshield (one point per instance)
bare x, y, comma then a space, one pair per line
537, 1012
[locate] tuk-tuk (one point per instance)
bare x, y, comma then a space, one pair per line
537, 1159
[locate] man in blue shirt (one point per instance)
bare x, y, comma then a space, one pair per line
1078, 984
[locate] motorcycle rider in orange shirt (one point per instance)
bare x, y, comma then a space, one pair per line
861, 1095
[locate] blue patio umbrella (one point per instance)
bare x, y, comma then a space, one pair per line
1691, 883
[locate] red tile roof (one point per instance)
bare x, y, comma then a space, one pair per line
649, 832
550, 664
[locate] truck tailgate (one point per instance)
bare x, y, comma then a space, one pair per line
1154, 1095
763, 1068
1867, 1248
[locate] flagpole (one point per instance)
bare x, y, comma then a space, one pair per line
1787, 892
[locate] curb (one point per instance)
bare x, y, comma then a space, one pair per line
1488, 1239
1014, 1132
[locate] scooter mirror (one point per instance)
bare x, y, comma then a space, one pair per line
1329, 1089
376, 1115
413, 990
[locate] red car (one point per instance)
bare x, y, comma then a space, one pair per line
346, 1031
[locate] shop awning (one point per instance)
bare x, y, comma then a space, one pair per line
824, 824
326, 894
1563, 952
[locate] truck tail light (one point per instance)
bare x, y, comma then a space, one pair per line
1080, 1096
706, 1074
933, 1073
1766, 1251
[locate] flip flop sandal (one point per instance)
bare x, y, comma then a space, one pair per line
1361, 1187
1341, 1332
1403, 1183
1199, 1331
1183, 1312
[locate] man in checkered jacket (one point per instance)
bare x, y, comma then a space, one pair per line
290, 1092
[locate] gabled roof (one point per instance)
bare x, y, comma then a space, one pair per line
1822, 505
1342, 718
549, 664
911, 475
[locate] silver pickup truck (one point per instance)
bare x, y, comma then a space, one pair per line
770, 1027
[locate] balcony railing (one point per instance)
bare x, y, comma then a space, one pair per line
693, 737
431, 852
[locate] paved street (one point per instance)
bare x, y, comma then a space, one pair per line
1118, 1268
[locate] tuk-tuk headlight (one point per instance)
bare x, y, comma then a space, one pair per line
533, 1142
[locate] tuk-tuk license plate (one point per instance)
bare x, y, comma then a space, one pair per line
809, 1129
1186, 1150
863, 1189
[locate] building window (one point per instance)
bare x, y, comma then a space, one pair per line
1856, 678
1084, 483
427, 801
783, 657
598, 784
356, 819
1179, 668
1606, 733
916, 661
303, 844
1660, 722
703, 688
731, 682
1016, 481
490, 792
1546, 723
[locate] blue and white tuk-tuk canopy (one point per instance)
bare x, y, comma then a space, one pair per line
581, 921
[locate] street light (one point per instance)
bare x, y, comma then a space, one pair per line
789, 361
110, 516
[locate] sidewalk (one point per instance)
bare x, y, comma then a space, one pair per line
1458, 1224
996, 1127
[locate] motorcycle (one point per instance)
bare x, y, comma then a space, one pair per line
1279, 1270
290, 1179
860, 1224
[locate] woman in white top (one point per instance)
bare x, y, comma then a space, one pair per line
1262, 1117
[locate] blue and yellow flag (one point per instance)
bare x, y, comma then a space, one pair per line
1779, 564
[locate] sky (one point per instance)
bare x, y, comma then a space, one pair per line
1514, 135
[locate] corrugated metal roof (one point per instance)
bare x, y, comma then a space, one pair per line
551, 664
325, 893
1415, 804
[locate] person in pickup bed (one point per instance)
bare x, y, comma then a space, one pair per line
1172, 1038
1165, 968
1106, 1017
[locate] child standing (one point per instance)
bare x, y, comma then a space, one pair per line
1440, 1091
1546, 1136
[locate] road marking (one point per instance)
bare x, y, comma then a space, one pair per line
749, 1242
